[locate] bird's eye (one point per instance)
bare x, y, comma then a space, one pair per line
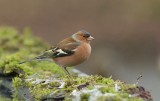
86, 35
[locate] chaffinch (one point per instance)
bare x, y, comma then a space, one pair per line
69, 52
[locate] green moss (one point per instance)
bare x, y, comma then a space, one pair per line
17, 83
117, 98
17, 47
12, 41
48, 66
8, 33
5, 99
43, 89
107, 89
85, 96
40, 93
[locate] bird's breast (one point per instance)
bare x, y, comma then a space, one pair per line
81, 54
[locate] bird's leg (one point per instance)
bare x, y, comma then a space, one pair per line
68, 75
67, 72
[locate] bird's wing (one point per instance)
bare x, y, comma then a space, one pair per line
67, 50
66, 47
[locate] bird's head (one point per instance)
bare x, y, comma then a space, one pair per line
83, 36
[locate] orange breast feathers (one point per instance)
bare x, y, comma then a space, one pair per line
81, 54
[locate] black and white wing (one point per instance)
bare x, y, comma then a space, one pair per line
66, 50
55, 52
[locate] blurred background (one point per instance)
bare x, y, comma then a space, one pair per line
127, 33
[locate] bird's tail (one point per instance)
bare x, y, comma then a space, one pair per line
47, 54
41, 57
29, 60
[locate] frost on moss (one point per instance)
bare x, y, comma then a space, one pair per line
45, 81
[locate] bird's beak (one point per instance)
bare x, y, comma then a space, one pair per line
90, 38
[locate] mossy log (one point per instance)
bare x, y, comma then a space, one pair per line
45, 81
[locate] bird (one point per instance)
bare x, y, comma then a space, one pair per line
69, 52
